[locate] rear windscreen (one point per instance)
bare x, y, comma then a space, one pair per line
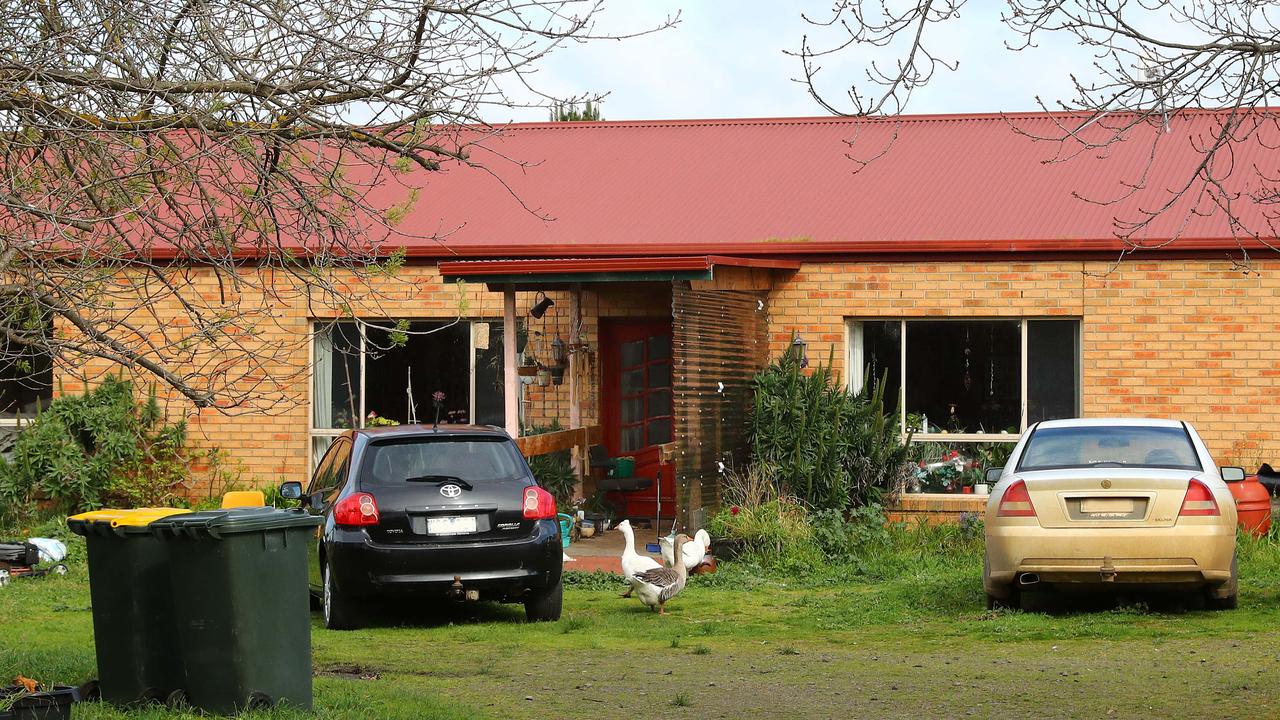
1109, 446
474, 460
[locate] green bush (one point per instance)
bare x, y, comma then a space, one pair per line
832, 449
88, 450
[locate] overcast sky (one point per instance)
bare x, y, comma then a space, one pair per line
725, 59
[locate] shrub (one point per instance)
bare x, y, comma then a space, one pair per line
832, 449
771, 527
91, 449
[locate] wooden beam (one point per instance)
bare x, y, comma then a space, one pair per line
510, 380
543, 443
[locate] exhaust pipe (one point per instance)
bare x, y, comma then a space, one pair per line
1026, 579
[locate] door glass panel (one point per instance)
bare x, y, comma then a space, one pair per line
659, 376
633, 410
660, 347
633, 381
659, 403
632, 438
659, 431
632, 353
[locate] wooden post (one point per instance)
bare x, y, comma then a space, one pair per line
575, 410
510, 380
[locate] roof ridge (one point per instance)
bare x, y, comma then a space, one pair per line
831, 119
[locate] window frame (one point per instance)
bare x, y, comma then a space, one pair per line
319, 324
856, 364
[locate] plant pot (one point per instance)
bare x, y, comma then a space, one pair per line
544, 377
557, 375
966, 490
527, 371
54, 704
726, 548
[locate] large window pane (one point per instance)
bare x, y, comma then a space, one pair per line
26, 379
1053, 373
336, 377
964, 376
882, 358
490, 405
431, 357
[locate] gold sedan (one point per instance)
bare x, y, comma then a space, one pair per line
1107, 502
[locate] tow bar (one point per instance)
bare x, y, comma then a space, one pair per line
1108, 570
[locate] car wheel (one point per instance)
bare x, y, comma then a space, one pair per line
1006, 598
339, 614
545, 605
1214, 598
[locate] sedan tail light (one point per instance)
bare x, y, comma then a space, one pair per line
1198, 501
1016, 501
356, 510
538, 504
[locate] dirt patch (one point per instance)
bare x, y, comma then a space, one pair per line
348, 672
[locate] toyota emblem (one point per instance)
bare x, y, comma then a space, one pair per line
450, 490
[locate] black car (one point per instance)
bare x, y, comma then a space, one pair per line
452, 512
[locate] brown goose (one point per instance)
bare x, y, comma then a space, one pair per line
655, 587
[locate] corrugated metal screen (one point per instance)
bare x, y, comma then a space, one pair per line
720, 342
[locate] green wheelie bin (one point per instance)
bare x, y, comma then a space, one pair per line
133, 614
239, 583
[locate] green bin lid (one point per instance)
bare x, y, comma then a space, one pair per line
216, 523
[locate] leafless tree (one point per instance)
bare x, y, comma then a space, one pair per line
176, 171
1153, 60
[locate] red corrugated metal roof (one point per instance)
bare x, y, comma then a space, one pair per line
963, 183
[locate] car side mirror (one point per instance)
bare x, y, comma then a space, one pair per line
993, 475
291, 490
1231, 474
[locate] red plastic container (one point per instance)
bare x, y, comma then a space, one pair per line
1253, 505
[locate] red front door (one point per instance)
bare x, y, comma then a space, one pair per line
638, 408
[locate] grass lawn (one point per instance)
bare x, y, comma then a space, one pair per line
905, 636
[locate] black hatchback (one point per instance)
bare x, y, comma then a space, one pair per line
451, 512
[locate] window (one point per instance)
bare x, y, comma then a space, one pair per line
1057, 448
366, 372
970, 379
26, 387
471, 460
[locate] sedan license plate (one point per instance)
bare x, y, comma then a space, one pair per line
451, 525
1107, 505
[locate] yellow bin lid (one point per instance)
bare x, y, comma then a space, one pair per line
141, 517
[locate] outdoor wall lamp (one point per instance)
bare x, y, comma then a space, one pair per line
558, 354
801, 350
541, 306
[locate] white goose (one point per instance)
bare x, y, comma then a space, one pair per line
693, 552
633, 562
658, 586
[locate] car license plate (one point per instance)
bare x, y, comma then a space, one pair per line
451, 525
1106, 505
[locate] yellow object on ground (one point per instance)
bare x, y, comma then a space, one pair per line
244, 498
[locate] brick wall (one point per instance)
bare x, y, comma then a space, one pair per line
1189, 339
271, 442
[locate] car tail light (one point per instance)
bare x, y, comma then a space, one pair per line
538, 504
1016, 501
356, 510
1198, 501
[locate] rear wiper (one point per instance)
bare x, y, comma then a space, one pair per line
441, 480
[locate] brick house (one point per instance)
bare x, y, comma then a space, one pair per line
678, 256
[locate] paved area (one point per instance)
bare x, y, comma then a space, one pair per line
604, 552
